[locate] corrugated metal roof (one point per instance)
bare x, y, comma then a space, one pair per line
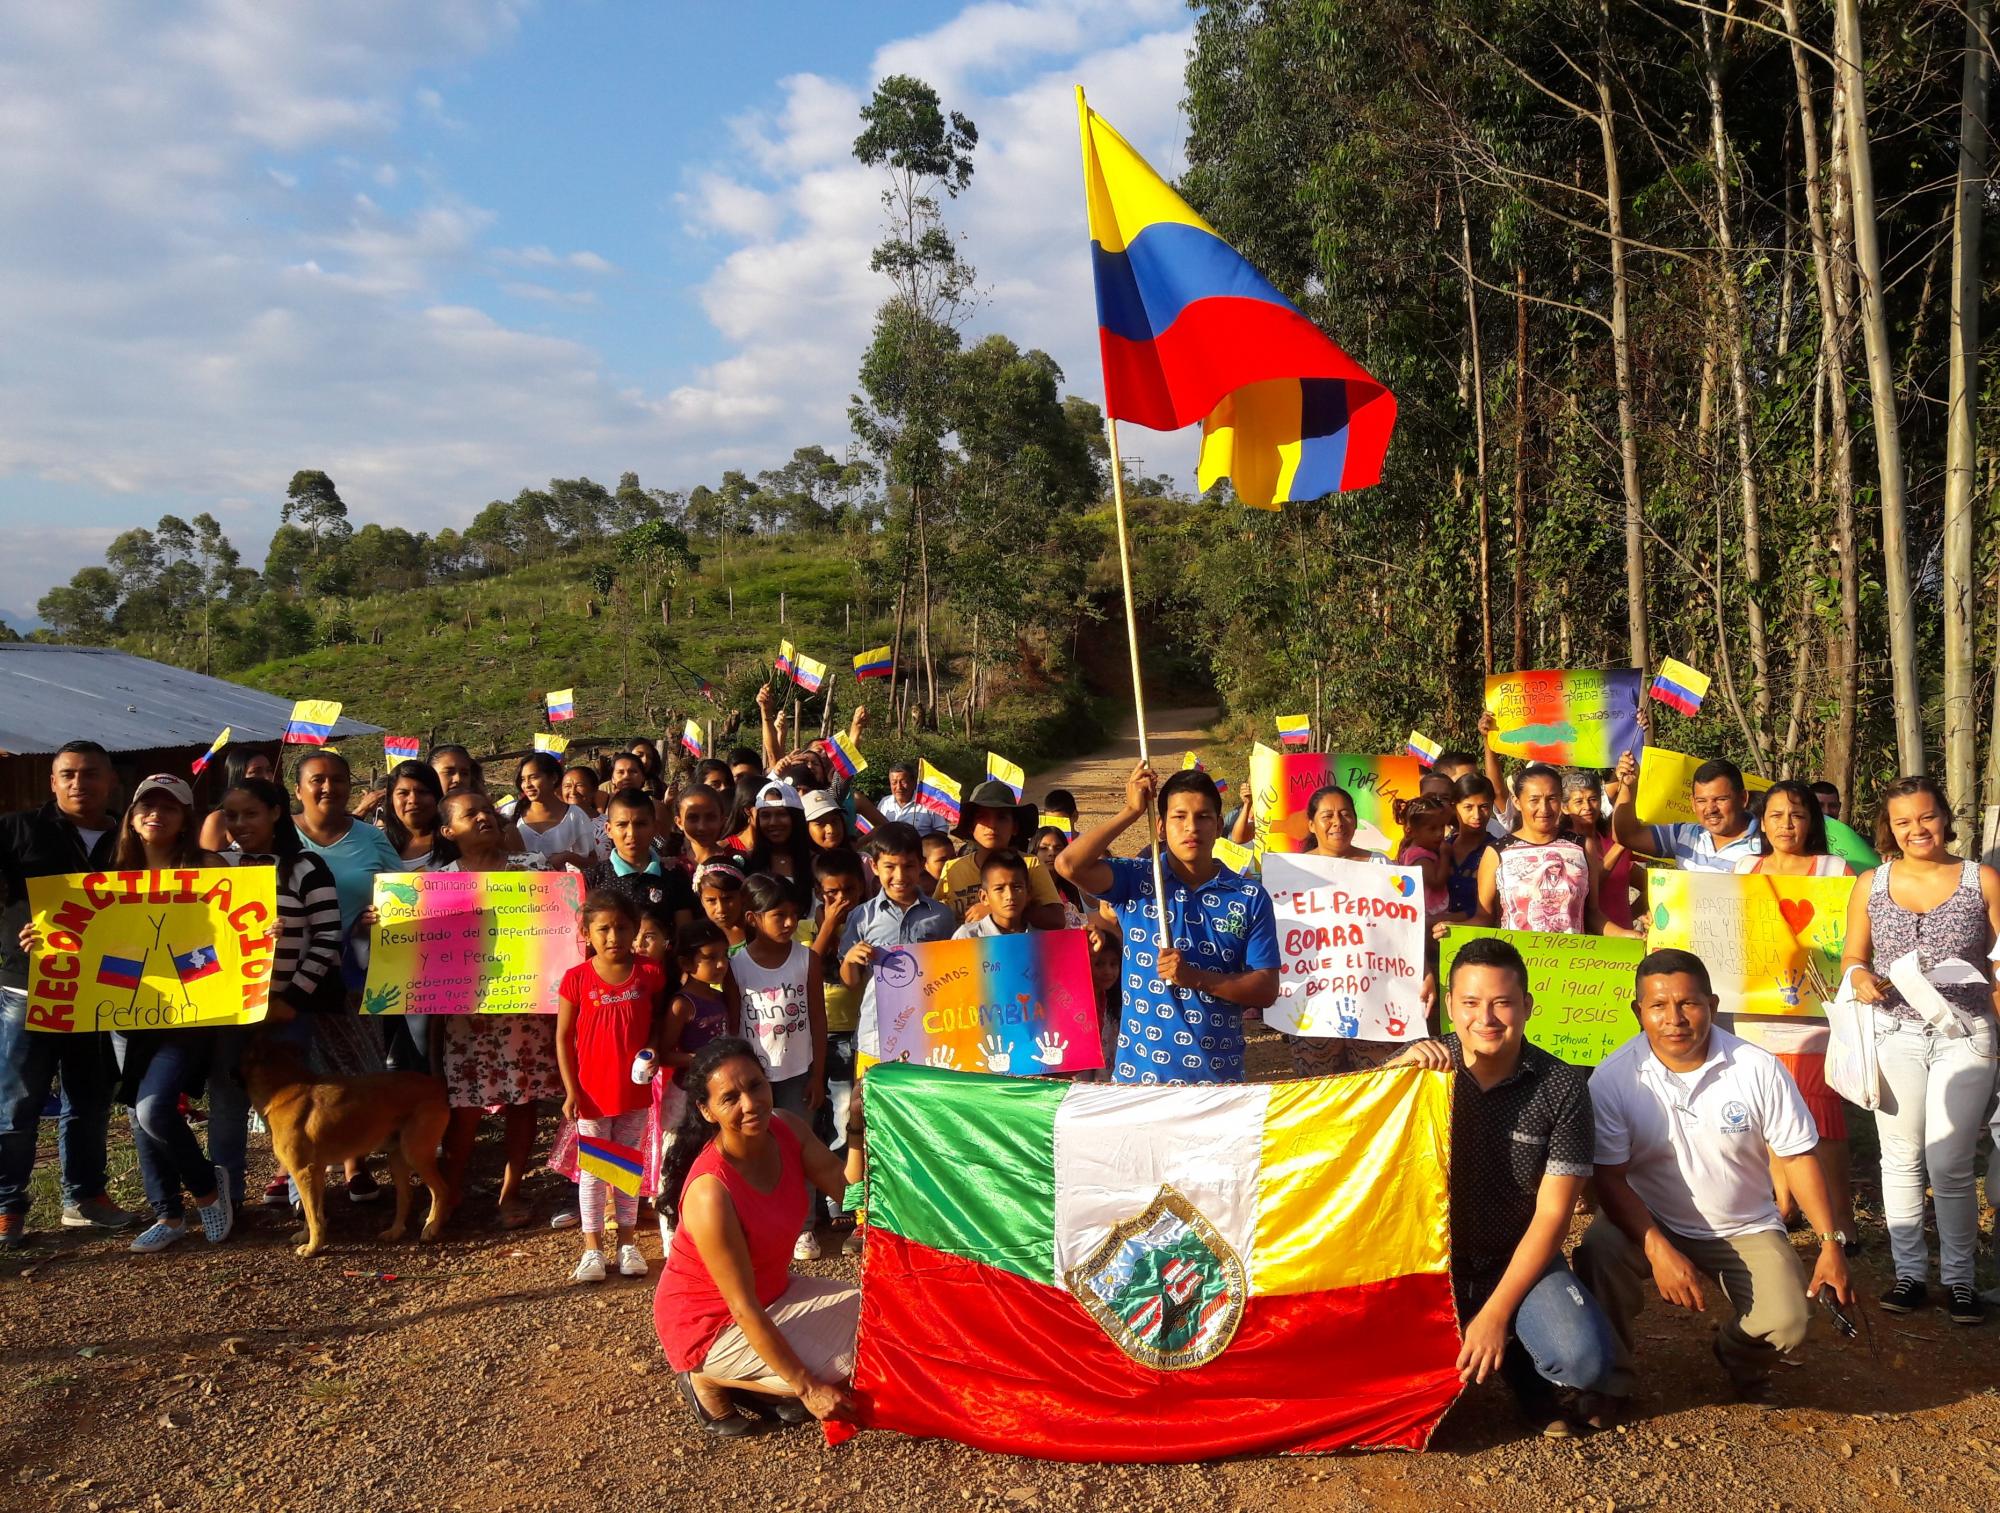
53, 694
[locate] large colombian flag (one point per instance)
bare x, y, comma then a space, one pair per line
1190, 331
1100, 1272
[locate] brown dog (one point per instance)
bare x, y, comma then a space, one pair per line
316, 1121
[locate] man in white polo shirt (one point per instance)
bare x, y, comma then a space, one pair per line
1685, 1113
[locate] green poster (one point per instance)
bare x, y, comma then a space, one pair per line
1582, 987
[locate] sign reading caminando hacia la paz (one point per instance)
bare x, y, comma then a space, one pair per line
471, 942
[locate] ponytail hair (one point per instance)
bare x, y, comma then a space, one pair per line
693, 1134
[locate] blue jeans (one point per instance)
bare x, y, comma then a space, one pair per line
228, 1106
30, 1063
1561, 1336
171, 1161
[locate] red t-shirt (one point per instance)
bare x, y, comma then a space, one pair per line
614, 1023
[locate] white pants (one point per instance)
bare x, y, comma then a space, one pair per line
1935, 1091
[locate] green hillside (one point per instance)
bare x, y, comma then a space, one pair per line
470, 661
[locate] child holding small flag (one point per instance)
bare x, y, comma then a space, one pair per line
607, 1018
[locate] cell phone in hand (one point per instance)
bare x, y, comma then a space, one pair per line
1842, 1324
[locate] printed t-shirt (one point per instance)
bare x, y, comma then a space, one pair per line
775, 1019
614, 1023
1225, 925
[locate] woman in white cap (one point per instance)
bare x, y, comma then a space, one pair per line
779, 846
161, 832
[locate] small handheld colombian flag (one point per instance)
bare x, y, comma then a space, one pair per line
562, 703
845, 755
691, 741
937, 792
311, 722
208, 756
1679, 686
1001, 770
400, 748
620, 1165
1295, 729
787, 657
809, 674
872, 664
1423, 748
554, 745
1191, 763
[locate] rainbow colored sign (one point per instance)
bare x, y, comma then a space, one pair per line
1772, 944
1016, 1005
1585, 717
1283, 783
471, 942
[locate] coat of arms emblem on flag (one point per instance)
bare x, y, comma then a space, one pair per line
1167, 1288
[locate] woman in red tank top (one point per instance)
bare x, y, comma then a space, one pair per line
731, 1316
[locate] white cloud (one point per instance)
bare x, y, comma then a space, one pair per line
543, 257
572, 297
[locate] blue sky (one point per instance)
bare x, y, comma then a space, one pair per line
448, 250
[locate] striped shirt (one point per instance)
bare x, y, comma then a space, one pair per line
308, 946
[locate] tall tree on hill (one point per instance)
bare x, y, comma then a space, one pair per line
926, 154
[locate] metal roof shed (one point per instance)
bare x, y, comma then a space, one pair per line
129, 705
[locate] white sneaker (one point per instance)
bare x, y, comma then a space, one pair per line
158, 1236
630, 1262
807, 1249
589, 1267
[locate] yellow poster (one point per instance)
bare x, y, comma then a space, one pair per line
152, 950
1772, 945
1666, 779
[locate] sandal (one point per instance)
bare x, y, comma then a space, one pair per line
730, 1425
515, 1217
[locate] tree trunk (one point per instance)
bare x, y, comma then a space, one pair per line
1520, 469
1882, 395
1479, 440
1961, 715
1735, 338
1842, 646
924, 624
1638, 651
902, 605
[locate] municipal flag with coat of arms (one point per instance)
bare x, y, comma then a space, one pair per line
1107, 1272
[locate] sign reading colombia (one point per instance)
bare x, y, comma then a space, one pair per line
148, 950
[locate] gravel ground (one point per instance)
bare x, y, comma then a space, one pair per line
471, 1374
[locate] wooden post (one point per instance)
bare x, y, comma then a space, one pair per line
1138, 689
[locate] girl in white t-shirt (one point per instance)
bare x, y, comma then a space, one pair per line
549, 827
784, 1007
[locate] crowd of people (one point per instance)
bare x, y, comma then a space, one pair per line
721, 1016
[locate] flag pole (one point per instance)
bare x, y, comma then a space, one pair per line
1138, 690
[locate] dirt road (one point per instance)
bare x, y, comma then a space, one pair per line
1098, 780
471, 1374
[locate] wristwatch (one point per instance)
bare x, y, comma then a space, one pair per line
1838, 1237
